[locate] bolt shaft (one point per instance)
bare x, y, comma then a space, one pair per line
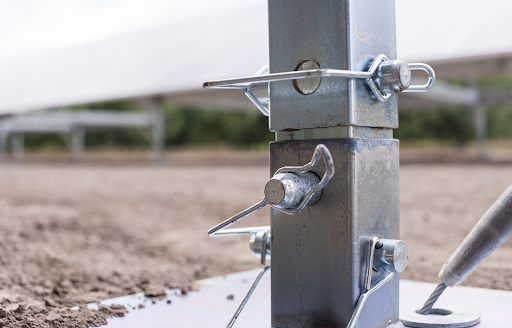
432, 299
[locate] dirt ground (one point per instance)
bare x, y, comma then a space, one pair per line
77, 233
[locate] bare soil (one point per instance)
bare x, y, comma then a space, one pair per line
77, 233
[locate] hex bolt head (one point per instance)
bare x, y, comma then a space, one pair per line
391, 257
393, 76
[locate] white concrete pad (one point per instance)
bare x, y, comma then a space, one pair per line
210, 306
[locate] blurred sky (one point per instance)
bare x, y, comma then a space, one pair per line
34, 26
206, 39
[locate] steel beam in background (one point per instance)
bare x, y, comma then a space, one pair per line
157, 124
75, 123
479, 113
18, 146
77, 143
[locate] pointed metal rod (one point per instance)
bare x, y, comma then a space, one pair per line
247, 296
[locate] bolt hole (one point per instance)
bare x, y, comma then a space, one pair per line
309, 85
438, 312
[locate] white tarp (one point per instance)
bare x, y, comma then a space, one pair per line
177, 57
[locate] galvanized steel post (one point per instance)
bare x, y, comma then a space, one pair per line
319, 255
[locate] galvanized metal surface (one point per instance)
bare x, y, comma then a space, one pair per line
286, 190
390, 256
319, 256
383, 78
209, 307
310, 192
493, 305
344, 35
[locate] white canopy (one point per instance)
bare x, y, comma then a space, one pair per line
172, 60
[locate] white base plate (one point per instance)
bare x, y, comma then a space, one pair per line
210, 306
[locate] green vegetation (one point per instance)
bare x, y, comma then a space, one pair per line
188, 126
184, 126
194, 127
431, 125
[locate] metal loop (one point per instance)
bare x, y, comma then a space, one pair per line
369, 263
214, 232
382, 97
256, 102
260, 77
247, 296
320, 151
239, 231
431, 78
264, 110
263, 257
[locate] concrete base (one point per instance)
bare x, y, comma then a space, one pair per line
211, 306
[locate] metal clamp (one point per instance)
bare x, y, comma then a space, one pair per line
375, 243
247, 296
312, 193
400, 71
367, 284
431, 78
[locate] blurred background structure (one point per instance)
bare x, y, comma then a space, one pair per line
140, 65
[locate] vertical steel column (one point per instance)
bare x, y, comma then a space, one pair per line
4, 134
157, 130
480, 128
77, 143
318, 255
18, 146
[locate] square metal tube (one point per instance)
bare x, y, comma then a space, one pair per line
336, 34
318, 255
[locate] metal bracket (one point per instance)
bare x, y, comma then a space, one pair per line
367, 284
360, 302
320, 151
370, 75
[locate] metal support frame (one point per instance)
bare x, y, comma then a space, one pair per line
157, 122
18, 146
319, 256
324, 273
77, 143
3, 140
72, 125
479, 113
